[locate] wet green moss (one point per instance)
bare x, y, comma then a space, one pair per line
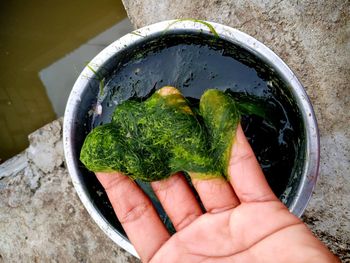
150, 140
221, 118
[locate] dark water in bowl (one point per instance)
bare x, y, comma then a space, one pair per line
194, 63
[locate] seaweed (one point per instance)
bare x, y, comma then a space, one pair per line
136, 34
208, 25
100, 78
152, 139
221, 117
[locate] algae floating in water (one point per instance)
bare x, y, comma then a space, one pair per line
152, 139
195, 62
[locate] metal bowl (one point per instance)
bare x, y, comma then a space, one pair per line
85, 90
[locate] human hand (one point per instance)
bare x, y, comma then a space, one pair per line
244, 222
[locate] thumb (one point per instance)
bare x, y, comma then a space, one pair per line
245, 174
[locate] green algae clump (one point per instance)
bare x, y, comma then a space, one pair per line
151, 140
221, 117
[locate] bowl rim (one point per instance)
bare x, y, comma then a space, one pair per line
312, 153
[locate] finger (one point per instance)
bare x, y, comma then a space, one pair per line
245, 174
177, 200
216, 194
136, 214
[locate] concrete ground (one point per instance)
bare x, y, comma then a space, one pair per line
41, 218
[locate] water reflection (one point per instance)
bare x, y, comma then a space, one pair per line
35, 34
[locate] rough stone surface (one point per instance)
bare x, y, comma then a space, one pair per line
41, 217
313, 38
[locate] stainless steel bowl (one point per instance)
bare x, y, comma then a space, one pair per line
83, 95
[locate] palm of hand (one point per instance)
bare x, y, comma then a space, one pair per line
251, 232
245, 222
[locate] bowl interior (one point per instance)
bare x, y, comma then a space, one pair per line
194, 62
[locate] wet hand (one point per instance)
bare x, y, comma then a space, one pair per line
244, 222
